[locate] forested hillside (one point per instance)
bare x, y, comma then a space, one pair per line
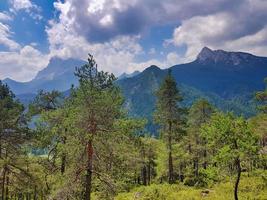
86, 145
228, 80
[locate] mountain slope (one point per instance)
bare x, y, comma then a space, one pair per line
139, 92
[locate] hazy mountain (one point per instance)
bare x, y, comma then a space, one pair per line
125, 75
59, 74
227, 79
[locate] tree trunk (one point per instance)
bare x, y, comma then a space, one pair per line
35, 193
7, 184
63, 161
3, 183
88, 181
205, 155
0, 145
148, 173
238, 178
196, 167
63, 157
170, 154
138, 180
181, 176
144, 172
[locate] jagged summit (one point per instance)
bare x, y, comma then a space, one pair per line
205, 53
208, 55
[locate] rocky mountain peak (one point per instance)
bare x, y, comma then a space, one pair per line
207, 56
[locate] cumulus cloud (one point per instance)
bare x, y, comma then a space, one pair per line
113, 55
96, 25
103, 20
239, 29
5, 37
5, 17
111, 30
22, 65
28, 6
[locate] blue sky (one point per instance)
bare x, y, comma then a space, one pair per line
123, 35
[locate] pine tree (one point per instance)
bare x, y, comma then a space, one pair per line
14, 135
169, 116
99, 103
199, 113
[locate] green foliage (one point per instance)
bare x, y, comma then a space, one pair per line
228, 136
262, 98
170, 116
250, 188
94, 150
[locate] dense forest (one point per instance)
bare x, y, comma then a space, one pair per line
86, 146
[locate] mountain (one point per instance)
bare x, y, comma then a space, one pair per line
227, 79
125, 75
226, 74
59, 74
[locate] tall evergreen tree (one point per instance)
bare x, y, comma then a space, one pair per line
14, 135
99, 103
169, 115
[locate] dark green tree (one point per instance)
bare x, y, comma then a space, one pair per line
169, 115
14, 135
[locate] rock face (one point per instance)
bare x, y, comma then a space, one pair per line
208, 56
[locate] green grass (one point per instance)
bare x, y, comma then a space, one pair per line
250, 188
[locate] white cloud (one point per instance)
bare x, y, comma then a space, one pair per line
113, 56
22, 4
106, 20
95, 6
22, 65
239, 30
103, 20
5, 37
217, 23
5, 17
28, 6
111, 31
173, 58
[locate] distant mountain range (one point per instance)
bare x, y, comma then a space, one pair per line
227, 79
59, 75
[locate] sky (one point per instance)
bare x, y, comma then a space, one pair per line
125, 35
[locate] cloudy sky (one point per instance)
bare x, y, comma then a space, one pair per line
125, 35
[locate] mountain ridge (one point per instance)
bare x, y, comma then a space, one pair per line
227, 79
